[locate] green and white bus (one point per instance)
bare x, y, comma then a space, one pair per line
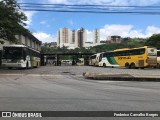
20, 56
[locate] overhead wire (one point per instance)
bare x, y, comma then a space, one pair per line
103, 9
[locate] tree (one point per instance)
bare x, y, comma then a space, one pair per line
11, 20
154, 40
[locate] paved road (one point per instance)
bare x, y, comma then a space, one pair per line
52, 88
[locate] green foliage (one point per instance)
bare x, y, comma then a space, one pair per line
132, 43
127, 44
11, 20
154, 40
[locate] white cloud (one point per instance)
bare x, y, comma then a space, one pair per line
121, 30
152, 30
70, 22
43, 22
29, 15
107, 30
143, 2
59, 1
111, 2
44, 37
89, 36
124, 31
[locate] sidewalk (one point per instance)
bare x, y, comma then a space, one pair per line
121, 77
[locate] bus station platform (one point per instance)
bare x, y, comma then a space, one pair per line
121, 77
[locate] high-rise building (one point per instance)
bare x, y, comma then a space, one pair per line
72, 39
81, 37
64, 37
75, 38
96, 36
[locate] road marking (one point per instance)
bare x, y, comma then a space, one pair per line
45, 75
29, 75
12, 74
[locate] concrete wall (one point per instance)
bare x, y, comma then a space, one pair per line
5, 43
25, 41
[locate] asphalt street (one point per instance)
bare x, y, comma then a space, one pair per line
63, 88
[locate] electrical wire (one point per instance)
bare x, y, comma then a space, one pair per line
98, 9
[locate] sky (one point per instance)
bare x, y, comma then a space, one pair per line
45, 25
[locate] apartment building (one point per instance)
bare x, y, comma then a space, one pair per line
64, 37
71, 39
114, 39
82, 37
96, 36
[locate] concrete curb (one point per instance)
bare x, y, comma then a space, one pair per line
120, 77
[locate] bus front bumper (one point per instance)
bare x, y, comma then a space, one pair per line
14, 65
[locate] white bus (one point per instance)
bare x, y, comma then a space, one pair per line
94, 59
20, 56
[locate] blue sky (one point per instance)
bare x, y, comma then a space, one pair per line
44, 25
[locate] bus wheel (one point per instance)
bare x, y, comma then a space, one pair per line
104, 65
127, 65
132, 66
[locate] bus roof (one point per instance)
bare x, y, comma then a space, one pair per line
15, 45
134, 48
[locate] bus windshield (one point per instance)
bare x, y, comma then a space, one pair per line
12, 52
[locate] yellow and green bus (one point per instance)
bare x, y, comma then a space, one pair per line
141, 57
20, 56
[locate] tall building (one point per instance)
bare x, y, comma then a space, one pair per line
75, 38
72, 39
96, 36
81, 37
64, 37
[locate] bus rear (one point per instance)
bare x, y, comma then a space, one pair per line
141, 57
94, 59
158, 58
151, 56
